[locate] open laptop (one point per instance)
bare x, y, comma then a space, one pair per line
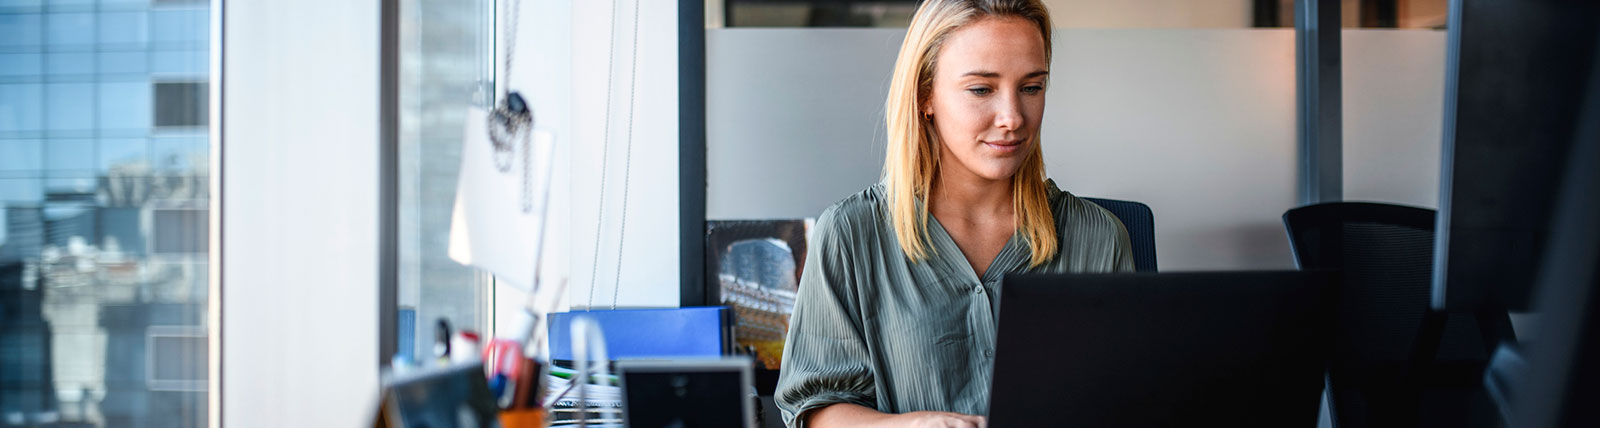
1171, 349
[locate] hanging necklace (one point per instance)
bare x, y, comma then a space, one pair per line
511, 120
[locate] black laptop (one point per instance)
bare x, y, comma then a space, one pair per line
1157, 350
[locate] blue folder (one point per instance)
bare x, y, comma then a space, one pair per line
694, 332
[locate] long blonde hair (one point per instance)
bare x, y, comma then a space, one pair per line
912, 160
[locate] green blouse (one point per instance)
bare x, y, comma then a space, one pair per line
872, 328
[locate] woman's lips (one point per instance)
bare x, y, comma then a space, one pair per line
1003, 146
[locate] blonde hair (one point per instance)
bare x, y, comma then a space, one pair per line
912, 160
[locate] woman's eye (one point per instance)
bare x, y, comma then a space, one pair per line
980, 91
1030, 90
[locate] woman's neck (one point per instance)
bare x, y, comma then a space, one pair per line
970, 198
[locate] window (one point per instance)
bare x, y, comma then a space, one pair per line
103, 244
180, 103
174, 233
446, 57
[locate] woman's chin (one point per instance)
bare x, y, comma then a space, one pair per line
999, 172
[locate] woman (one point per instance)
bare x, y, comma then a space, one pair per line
895, 321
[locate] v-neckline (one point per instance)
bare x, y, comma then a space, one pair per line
1004, 261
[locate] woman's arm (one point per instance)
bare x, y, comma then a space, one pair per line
851, 415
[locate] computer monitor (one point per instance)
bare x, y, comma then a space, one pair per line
688, 393
1156, 350
1513, 74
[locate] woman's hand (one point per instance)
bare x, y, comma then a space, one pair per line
851, 415
940, 420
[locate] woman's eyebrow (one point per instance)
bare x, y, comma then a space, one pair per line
991, 74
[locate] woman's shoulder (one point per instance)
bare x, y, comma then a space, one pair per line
1080, 218
855, 214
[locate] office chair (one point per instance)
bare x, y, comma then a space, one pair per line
1395, 362
1141, 225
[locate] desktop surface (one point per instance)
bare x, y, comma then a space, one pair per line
1137, 350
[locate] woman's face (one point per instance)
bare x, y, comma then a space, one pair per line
988, 97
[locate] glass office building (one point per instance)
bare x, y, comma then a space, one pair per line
104, 159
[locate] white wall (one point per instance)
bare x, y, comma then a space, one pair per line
649, 254
1393, 115
1150, 13
1199, 124
794, 118
299, 213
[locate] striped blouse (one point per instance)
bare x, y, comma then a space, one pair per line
872, 328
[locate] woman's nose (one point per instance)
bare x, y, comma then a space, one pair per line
1008, 116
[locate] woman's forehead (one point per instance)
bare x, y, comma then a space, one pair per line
1004, 46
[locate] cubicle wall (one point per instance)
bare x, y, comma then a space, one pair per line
1393, 114
1197, 123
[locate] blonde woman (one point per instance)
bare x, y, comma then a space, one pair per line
895, 322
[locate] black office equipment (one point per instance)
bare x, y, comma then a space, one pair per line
1517, 203
687, 393
457, 396
1553, 379
1156, 350
1141, 225
1561, 386
1512, 73
1394, 360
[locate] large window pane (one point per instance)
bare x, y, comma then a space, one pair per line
122, 28
69, 29
69, 63
125, 105
125, 62
69, 156
446, 67
183, 62
21, 156
68, 106
124, 154
21, 29
180, 103
26, 64
178, 25
20, 106
177, 154
21, 3
103, 259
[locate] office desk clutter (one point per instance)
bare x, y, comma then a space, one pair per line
661, 356
469, 382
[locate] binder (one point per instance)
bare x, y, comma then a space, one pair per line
674, 333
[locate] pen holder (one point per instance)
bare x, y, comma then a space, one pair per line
518, 382
524, 418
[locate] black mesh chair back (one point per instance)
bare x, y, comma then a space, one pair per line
1141, 225
1389, 367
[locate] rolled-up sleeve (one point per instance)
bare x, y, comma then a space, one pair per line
1123, 260
825, 358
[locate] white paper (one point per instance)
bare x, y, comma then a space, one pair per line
488, 227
